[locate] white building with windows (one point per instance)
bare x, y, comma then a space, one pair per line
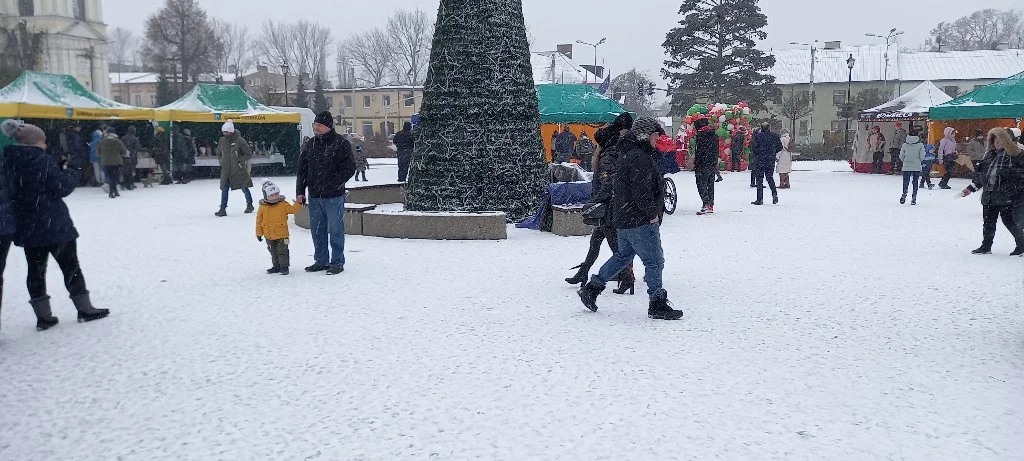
896, 73
76, 40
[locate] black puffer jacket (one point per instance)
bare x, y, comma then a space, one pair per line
325, 165
639, 188
706, 149
603, 184
1008, 187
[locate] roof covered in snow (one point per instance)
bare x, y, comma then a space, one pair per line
555, 67
41, 95
209, 102
153, 77
793, 66
912, 106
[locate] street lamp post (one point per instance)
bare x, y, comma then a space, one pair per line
891, 37
849, 90
284, 70
595, 45
814, 57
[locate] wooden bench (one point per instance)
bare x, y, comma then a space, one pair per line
567, 221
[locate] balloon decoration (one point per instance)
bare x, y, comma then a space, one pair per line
727, 121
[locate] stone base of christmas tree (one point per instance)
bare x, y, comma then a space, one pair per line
478, 144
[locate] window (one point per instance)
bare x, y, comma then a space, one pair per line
138, 100
804, 95
386, 101
254, 82
837, 125
804, 127
348, 101
410, 99
952, 91
152, 100
368, 129
26, 8
79, 10
367, 102
838, 97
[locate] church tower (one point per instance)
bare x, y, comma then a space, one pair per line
76, 37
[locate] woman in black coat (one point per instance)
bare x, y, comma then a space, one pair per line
604, 162
1001, 177
44, 225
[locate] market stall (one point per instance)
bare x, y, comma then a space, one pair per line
580, 107
895, 119
1000, 104
272, 133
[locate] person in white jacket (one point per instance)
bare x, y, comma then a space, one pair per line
912, 156
784, 160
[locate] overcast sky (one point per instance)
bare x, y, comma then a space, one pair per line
635, 33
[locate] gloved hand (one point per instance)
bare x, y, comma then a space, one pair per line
260, 238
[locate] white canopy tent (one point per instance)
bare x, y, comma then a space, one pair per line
901, 112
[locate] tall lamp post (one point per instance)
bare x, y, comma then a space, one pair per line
850, 62
814, 57
284, 70
595, 45
891, 37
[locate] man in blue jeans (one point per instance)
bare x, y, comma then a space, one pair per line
639, 201
325, 165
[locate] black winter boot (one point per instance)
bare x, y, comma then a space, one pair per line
588, 294
44, 316
581, 276
86, 312
221, 213
627, 282
249, 208
983, 250
661, 309
274, 270
1018, 251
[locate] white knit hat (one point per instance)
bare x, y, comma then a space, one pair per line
229, 127
270, 188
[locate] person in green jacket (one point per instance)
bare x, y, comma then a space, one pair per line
912, 156
234, 154
110, 152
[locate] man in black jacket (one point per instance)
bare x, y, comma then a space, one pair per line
705, 164
638, 201
325, 165
405, 142
766, 144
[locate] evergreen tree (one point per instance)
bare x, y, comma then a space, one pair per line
478, 145
712, 58
164, 93
240, 81
301, 99
320, 102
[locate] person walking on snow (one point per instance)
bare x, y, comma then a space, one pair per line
325, 165
912, 153
1001, 176
976, 149
234, 154
739, 144
929, 161
639, 204
97, 167
405, 141
705, 164
111, 154
132, 146
272, 224
765, 147
947, 153
7, 219
43, 225
784, 160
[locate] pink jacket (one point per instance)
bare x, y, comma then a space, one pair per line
947, 146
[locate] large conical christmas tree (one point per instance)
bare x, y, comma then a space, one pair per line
478, 145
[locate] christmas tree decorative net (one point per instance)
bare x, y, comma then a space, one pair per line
478, 144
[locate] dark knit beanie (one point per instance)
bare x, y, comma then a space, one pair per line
644, 127
623, 122
326, 119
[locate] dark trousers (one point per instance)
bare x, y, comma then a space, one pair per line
404, 162
926, 172
113, 175
600, 235
878, 163
762, 176
66, 256
224, 191
280, 257
737, 162
897, 165
911, 177
753, 177
5, 247
363, 173
991, 215
706, 185
949, 166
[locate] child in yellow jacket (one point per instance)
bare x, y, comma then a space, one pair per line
272, 223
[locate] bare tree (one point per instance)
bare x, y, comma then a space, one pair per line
411, 34
238, 47
373, 51
982, 30
277, 46
795, 106
637, 92
180, 36
123, 48
311, 43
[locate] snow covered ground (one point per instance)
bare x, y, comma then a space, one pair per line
838, 325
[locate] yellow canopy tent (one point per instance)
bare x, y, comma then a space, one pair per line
36, 95
211, 103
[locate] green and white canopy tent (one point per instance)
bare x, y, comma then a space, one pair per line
1001, 100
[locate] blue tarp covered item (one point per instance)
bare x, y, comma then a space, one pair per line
559, 193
